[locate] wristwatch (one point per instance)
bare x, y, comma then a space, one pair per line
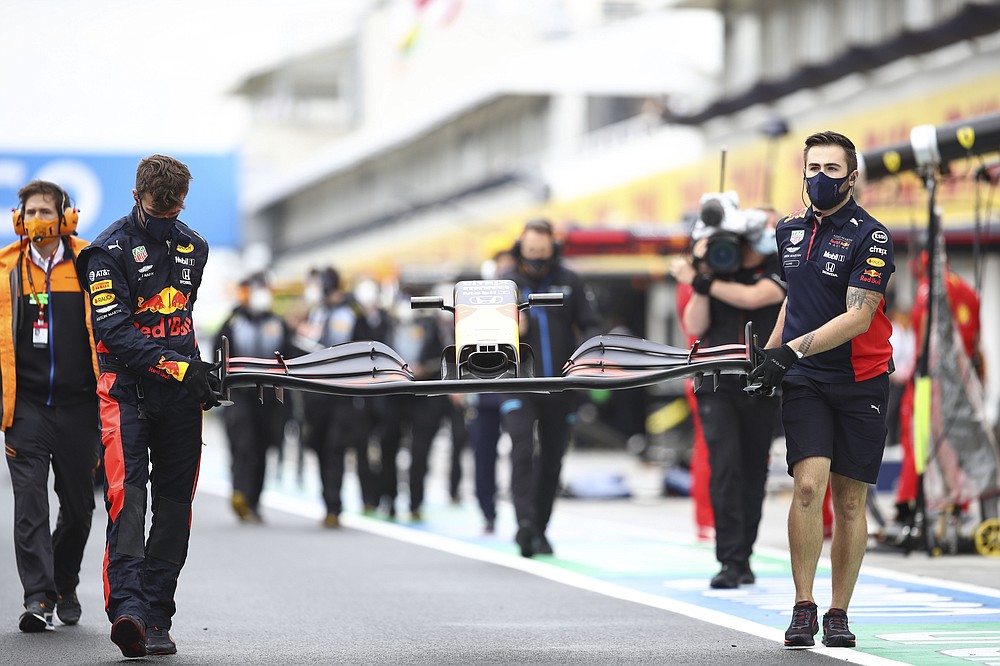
798, 353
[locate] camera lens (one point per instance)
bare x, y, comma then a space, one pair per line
723, 253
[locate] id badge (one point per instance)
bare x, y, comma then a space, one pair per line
40, 334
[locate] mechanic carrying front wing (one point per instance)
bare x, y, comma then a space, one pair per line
143, 274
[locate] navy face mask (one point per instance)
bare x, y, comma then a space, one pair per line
158, 227
824, 192
537, 267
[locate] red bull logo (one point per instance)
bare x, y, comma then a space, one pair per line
167, 301
175, 369
871, 275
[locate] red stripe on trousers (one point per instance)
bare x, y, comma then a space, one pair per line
111, 438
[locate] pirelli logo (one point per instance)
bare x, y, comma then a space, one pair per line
100, 285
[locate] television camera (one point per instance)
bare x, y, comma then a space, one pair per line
728, 228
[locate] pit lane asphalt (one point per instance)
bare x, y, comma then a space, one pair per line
374, 593
293, 593
290, 592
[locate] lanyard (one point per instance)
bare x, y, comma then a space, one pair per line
31, 285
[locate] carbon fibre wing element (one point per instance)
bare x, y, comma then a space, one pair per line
372, 368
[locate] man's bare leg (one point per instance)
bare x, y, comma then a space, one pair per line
805, 523
850, 536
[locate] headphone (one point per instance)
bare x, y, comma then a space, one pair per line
68, 218
541, 226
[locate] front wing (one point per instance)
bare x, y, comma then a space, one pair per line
371, 368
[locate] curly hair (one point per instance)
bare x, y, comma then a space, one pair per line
165, 179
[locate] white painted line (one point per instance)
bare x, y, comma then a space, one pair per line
309, 509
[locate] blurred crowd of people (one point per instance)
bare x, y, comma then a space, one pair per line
365, 434
368, 434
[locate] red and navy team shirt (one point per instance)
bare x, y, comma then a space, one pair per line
819, 262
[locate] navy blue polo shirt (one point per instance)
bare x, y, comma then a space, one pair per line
819, 262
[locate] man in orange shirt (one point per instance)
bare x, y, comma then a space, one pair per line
48, 410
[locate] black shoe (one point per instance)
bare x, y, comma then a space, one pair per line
526, 539
37, 616
68, 608
904, 513
803, 627
746, 574
129, 634
836, 633
727, 579
542, 546
159, 641
490, 527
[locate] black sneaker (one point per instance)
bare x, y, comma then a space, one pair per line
129, 634
37, 616
836, 633
727, 579
68, 608
525, 539
542, 546
803, 627
746, 574
159, 641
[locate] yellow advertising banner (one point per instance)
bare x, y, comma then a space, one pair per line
753, 169
758, 165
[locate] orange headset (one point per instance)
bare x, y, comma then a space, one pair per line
65, 225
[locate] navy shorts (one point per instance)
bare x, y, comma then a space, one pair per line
843, 422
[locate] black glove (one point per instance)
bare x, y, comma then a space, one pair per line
203, 386
767, 376
702, 283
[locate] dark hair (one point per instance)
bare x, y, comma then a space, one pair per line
255, 280
829, 138
329, 279
541, 226
164, 179
44, 187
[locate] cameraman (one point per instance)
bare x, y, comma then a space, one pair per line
734, 272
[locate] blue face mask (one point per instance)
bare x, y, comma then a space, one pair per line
766, 243
824, 192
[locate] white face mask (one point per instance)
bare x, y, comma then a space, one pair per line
366, 294
312, 294
260, 300
766, 244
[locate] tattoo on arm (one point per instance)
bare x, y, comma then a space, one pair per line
856, 298
872, 300
863, 299
807, 343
